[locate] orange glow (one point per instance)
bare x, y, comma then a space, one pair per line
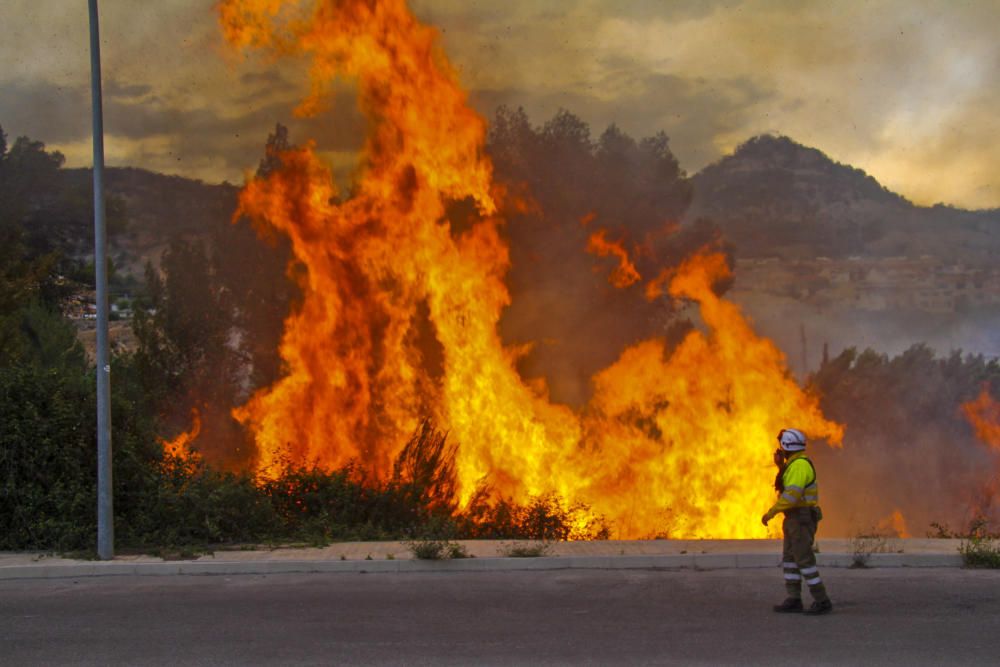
656, 287
894, 524
180, 447
984, 415
625, 273
398, 320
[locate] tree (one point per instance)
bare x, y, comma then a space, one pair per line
24, 171
907, 444
632, 193
186, 358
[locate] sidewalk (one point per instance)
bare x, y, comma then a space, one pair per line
365, 557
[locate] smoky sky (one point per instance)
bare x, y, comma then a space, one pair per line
903, 89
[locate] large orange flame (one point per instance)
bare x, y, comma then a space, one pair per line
399, 314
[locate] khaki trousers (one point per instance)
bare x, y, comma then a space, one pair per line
799, 561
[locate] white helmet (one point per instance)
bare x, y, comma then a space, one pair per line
792, 440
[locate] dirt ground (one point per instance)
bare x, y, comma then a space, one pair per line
120, 336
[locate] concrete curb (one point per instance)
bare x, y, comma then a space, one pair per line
78, 569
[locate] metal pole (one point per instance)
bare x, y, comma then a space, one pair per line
105, 513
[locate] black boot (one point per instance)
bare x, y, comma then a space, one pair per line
789, 606
817, 608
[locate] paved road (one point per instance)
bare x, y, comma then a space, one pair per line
723, 617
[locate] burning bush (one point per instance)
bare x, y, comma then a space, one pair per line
404, 283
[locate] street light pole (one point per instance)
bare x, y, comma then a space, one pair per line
105, 513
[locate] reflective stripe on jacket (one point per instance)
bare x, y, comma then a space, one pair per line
801, 487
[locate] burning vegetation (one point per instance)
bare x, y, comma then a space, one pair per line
495, 331
401, 305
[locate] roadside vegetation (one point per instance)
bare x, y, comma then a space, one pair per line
185, 356
207, 334
524, 550
980, 545
866, 543
174, 504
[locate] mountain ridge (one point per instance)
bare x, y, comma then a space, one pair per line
775, 197
772, 197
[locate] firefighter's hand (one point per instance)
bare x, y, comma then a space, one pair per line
764, 519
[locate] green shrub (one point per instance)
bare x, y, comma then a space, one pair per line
980, 548
980, 552
167, 504
47, 459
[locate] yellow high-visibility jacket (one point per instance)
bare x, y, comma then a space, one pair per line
801, 486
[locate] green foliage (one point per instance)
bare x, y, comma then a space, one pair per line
47, 458
24, 169
46, 222
47, 500
182, 339
980, 548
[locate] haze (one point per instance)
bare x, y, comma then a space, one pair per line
904, 90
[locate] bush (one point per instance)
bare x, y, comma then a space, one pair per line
980, 548
534, 550
47, 459
165, 503
542, 518
432, 549
863, 545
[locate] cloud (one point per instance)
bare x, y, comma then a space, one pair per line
873, 86
164, 133
903, 90
45, 111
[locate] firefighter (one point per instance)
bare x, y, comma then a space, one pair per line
798, 499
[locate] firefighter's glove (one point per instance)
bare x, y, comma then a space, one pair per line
767, 517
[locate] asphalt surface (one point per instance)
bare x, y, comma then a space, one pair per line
898, 616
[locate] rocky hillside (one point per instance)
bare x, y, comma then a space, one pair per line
156, 208
774, 197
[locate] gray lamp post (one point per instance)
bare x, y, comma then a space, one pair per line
105, 514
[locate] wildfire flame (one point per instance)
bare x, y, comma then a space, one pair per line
984, 415
180, 447
398, 319
895, 525
623, 275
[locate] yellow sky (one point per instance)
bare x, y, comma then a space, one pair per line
904, 89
